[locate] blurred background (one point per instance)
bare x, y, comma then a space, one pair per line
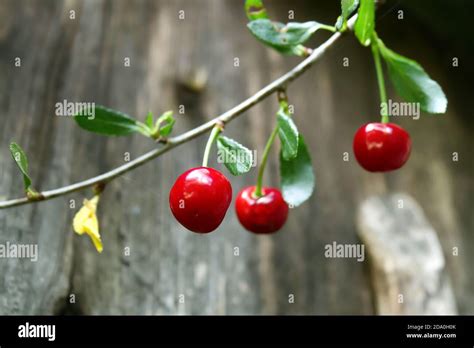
172, 271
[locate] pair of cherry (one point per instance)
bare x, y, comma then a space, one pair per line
201, 196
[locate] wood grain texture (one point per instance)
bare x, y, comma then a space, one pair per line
229, 271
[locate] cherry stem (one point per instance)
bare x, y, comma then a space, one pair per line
216, 130
261, 170
283, 100
380, 79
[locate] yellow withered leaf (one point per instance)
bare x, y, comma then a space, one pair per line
85, 221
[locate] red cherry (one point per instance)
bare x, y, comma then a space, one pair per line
381, 147
200, 198
261, 215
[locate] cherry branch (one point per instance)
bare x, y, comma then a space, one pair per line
278, 84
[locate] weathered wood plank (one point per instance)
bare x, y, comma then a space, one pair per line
407, 263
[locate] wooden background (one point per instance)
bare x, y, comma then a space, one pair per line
83, 60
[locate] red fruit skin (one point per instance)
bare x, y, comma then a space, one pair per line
199, 199
381, 147
262, 215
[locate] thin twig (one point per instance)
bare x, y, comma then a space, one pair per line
173, 142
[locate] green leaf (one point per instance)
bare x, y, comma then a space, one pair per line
365, 24
284, 38
288, 134
347, 8
255, 10
297, 177
236, 157
109, 122
149, 120
21, 161
339, 23
165, 123
412, 83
